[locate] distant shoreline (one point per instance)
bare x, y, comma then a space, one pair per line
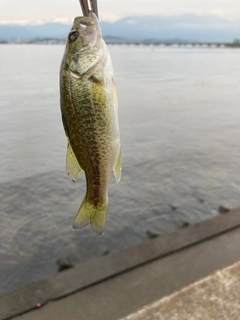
235, 44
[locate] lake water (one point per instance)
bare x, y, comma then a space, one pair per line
180, 126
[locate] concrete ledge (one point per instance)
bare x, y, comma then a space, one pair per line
127, 292
214, 297
100, 269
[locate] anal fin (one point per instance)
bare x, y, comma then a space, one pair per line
72, 165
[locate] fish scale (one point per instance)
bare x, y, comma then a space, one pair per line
90, 119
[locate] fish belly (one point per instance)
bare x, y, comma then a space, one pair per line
90, 121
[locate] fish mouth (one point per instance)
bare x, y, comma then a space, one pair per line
86, 22
83, 27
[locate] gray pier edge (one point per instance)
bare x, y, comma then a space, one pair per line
103, 268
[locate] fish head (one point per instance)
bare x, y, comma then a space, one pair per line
85, 45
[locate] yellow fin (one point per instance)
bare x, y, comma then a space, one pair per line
73, 167
117, 169
90, 214
114, 91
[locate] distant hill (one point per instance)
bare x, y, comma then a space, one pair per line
48, 30
186, 27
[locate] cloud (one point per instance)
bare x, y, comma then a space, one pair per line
20, 22
112, 10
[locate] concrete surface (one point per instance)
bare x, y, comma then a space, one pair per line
114, 286
215, 297
129, 291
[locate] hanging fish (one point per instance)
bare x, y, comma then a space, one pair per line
89, 113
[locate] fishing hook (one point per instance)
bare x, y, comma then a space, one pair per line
89, 6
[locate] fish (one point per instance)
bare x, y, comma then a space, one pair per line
89, 108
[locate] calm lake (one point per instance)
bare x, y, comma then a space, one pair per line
179, 116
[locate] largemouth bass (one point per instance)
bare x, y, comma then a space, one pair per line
89, 114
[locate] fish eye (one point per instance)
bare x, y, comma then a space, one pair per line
73, 35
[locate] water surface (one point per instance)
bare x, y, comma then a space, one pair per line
179, 118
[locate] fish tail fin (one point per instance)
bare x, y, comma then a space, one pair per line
91, 214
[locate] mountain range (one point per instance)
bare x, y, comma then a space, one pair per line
185, 27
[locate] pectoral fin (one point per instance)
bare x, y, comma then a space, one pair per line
118, 166
73, 167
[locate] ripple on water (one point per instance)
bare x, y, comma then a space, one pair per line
179, 119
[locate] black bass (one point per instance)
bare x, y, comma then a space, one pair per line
89, 114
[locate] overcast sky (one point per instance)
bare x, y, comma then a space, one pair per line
37, 11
